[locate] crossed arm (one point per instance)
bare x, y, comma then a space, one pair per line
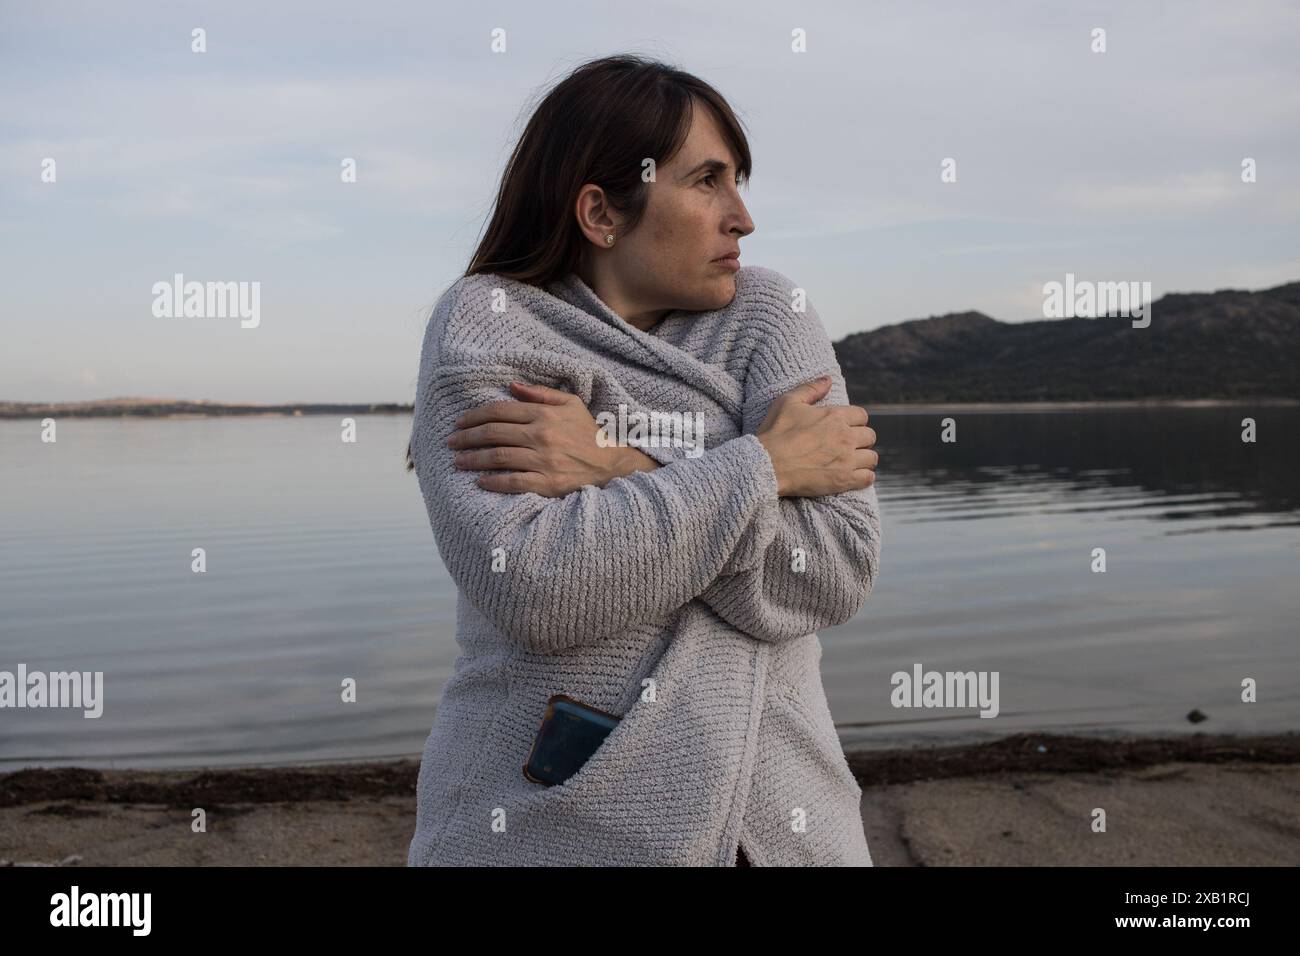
635, 538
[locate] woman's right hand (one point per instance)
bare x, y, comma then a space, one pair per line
818, 450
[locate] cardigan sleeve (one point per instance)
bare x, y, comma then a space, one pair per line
553, 573
803, 564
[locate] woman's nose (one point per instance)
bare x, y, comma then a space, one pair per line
744, 225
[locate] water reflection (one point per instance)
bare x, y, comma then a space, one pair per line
322, 567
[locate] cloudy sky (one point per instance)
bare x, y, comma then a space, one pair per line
1122, 165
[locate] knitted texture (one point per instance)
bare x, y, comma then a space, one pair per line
674, 597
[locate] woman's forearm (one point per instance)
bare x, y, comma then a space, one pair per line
632, 461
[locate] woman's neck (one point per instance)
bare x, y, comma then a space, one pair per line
608, 290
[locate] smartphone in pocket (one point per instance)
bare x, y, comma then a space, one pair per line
571, 732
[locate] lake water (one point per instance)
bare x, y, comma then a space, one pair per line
321, 566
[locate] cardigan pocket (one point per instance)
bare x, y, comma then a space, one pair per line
605, 762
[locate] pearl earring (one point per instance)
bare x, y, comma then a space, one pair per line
609, 240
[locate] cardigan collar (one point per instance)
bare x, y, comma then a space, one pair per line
573, 290
653, 350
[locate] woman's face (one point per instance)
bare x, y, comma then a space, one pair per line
694, 215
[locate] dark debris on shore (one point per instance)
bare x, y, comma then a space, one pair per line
1066, 754
1017, 753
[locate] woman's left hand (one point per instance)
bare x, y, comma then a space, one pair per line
545, 444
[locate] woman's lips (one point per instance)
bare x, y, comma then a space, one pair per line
731, 262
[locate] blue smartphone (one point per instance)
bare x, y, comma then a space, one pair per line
571, 732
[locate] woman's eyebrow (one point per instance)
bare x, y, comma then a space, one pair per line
716, 165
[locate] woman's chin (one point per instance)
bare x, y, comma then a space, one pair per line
707, 295
722, 289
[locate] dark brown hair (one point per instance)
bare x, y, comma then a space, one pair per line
597, 125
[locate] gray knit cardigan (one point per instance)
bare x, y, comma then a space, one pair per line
685, 599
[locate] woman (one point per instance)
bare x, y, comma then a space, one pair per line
677, 590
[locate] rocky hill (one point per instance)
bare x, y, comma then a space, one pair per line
1225, 344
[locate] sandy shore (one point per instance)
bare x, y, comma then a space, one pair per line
1025, 800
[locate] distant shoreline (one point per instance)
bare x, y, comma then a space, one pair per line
172, 408
165, 408
1068, 406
